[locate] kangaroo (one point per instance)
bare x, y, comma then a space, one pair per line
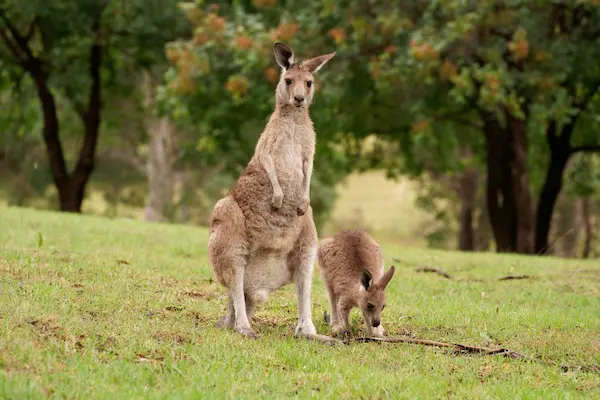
351, 264
262, 234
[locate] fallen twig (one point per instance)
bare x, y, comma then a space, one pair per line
511, 277
331, 341
434, 270
474, 349
458, 347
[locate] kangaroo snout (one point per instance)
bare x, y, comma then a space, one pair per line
376, 323
298, 100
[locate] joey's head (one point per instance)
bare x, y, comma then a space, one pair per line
296, 86
372, 300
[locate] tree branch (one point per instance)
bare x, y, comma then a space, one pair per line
31, 28
20, 41
11, 46
586, 149
91, 115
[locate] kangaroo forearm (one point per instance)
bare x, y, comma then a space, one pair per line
269, 166
307, 168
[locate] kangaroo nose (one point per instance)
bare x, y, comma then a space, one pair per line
299, 98
376, 323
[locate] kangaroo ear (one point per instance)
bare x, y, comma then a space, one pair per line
385, 279
315, 64
365, 279
284, 55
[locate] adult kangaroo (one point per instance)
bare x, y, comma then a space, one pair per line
262, 234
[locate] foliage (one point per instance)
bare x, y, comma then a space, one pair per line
223, 81
75, 52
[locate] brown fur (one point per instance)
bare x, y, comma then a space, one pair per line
349, 261
262, 235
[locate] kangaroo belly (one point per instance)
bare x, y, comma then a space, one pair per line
267, 271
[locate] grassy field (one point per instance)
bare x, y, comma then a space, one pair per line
99, 308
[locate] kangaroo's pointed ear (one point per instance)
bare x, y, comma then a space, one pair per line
284, 55
315, 64
365, 279
385, 279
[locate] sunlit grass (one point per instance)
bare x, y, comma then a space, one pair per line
98, 308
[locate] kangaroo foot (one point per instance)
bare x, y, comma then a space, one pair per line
246, 331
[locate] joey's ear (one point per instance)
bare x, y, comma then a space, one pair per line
385, 279
284, 55
365, 279
315, 64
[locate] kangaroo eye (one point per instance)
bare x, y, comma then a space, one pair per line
370, 306
383, 306
309, 83
288, 81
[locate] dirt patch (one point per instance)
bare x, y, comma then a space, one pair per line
199, 318
170, 337
148, 359
105, 344
48, 328
199, 295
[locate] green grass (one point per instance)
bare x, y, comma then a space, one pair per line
100, 308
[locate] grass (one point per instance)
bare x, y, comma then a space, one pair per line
98, 308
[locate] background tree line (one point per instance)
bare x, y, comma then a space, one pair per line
492, 107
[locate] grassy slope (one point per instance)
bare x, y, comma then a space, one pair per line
76, 322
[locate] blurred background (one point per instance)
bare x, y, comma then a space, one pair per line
471, 125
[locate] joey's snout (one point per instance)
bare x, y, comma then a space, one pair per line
375, 323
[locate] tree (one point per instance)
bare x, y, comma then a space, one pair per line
72, 50
506, 66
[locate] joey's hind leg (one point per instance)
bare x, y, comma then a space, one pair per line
335, 322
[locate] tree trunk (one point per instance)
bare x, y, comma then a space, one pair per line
559, 158
162, 158
71, 188
50, 134
587, 227
499, 190
517, 132
467, 192
508, 194
91, 122
482, 231
162, 155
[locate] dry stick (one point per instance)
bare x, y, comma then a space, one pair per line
323, 339
331, 341
474, 349
434, 270
511, 277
